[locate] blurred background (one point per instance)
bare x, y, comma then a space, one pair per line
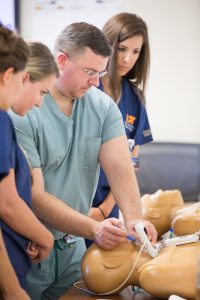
173, 96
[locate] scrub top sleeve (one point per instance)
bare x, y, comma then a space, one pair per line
143, 133
113, 125
6, 145
26, 138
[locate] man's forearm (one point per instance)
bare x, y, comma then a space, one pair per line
121, 176
60, 216
126, 193
128, 198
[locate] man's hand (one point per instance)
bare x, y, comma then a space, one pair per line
149, 228
109, 233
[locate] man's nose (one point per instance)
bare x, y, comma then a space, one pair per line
94, 81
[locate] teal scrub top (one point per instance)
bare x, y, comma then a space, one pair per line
66, 148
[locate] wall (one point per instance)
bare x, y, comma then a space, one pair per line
173, 102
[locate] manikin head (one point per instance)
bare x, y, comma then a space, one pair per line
105, 270
158, 208
187, 220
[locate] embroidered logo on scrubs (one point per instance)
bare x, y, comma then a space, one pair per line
129, 122
130, 119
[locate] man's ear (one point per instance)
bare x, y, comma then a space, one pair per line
61, 59
7, 75
25, 77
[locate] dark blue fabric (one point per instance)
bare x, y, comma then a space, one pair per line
137, 127
11, 157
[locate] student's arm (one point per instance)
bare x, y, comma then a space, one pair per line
135, 151
9, 286
121, 177
103, 210
17, 215
60, 216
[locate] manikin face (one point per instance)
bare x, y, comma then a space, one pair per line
12, 85
128, 54
73, 81
32, 94
158, 208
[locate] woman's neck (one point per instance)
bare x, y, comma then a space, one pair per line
107, 87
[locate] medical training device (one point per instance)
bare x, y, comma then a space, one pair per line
181, 240
153, 252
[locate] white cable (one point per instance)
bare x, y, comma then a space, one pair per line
115, 290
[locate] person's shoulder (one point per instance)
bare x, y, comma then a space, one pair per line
5, 119
21, 123
96, 97
134, 90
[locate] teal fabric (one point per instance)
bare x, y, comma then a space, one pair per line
52, 277
67, 148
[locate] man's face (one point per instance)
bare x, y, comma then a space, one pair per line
74, 79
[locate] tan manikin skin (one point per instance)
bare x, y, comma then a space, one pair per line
167, 209
160, 207
187, 220
173, 271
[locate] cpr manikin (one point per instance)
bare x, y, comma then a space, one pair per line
159, 208
173, 271
187, 220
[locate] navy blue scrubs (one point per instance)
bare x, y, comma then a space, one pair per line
12, 157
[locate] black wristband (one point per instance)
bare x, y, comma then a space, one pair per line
101, 212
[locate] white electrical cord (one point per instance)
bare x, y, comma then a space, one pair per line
121, 285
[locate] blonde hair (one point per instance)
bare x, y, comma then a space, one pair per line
41, 62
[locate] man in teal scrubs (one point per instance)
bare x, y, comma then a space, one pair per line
77, 128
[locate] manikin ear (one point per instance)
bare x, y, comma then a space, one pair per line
155, 213
7, 75
25, 77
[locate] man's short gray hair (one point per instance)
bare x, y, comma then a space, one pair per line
77, 36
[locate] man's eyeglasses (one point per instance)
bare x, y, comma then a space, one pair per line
90, 73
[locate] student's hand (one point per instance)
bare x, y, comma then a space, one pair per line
33, 250
43, 250
96, 214
109, 233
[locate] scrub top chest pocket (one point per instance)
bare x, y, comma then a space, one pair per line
91, 153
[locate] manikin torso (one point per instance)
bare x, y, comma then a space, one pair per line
173, 271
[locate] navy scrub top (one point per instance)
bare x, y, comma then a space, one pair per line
12, 157
137, 128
